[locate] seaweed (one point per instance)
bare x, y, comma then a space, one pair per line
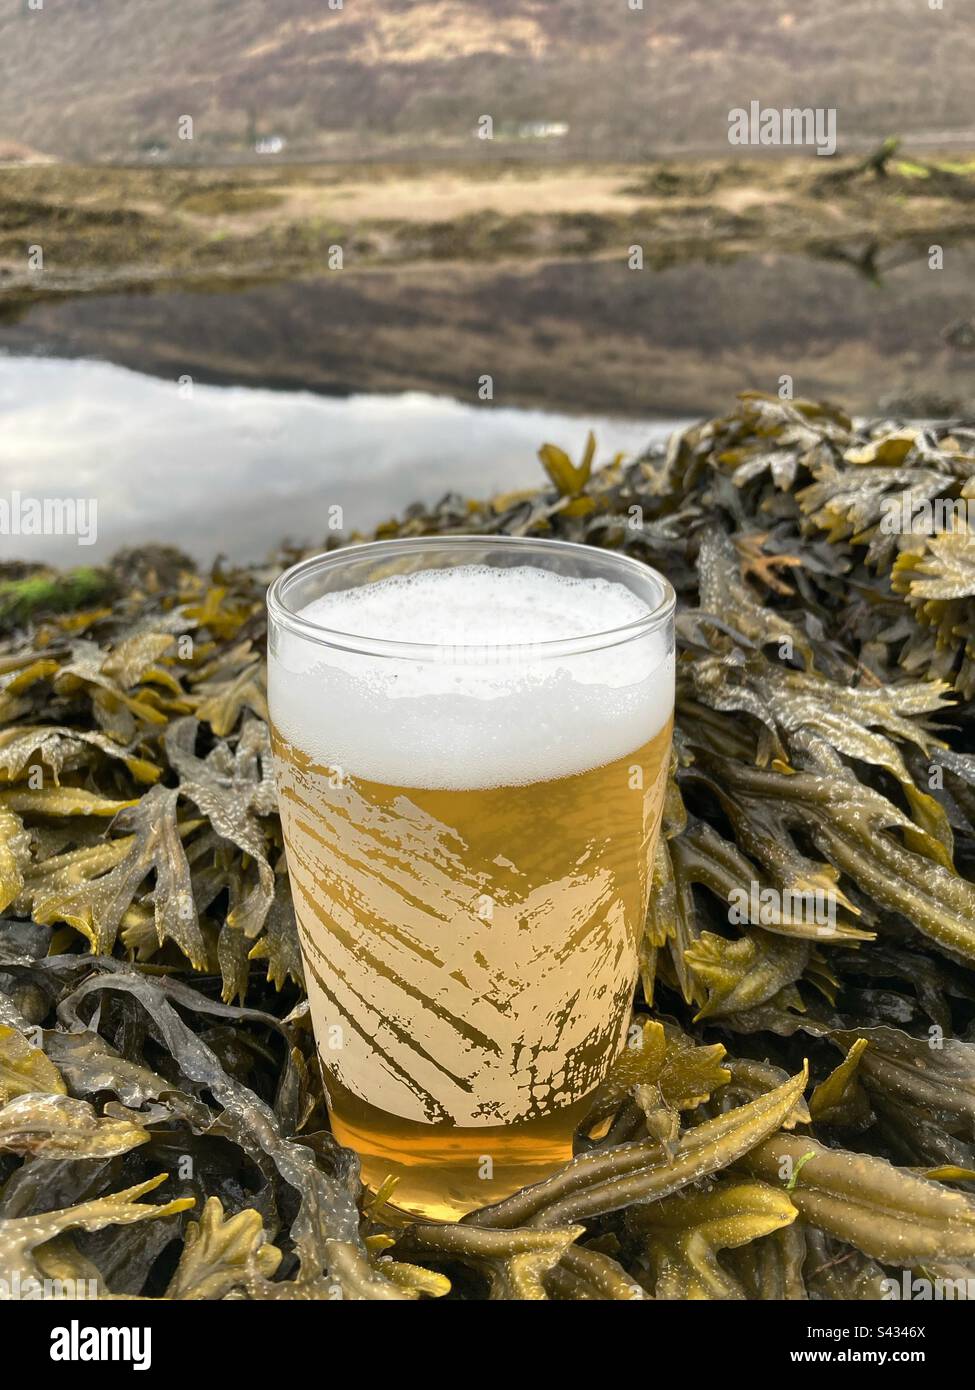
794, 1114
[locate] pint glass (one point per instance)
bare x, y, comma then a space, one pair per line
471, 740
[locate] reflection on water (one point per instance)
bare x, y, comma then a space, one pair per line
234, 470
574, 336
394, 358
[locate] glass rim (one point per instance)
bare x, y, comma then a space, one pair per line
281, 614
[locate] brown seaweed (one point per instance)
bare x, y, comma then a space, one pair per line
152, 1019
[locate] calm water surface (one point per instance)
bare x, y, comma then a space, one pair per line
234, 470
360, 390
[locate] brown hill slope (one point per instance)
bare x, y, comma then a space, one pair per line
109, 79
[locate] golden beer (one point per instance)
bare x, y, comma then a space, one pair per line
469, 840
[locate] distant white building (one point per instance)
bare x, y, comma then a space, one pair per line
543, 130
270, 144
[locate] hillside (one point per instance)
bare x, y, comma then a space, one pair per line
110, 79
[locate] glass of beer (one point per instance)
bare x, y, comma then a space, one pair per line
471, 740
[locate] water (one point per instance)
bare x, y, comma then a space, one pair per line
234, 470
360, 390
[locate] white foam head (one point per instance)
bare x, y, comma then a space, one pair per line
488, 707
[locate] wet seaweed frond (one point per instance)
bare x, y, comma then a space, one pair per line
794, 1116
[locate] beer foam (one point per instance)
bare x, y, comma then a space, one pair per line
489, 706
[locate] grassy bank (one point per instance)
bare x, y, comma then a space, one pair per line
114, 228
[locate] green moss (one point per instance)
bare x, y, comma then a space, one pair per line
50, 592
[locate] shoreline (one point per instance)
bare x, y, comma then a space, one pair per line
130, 229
